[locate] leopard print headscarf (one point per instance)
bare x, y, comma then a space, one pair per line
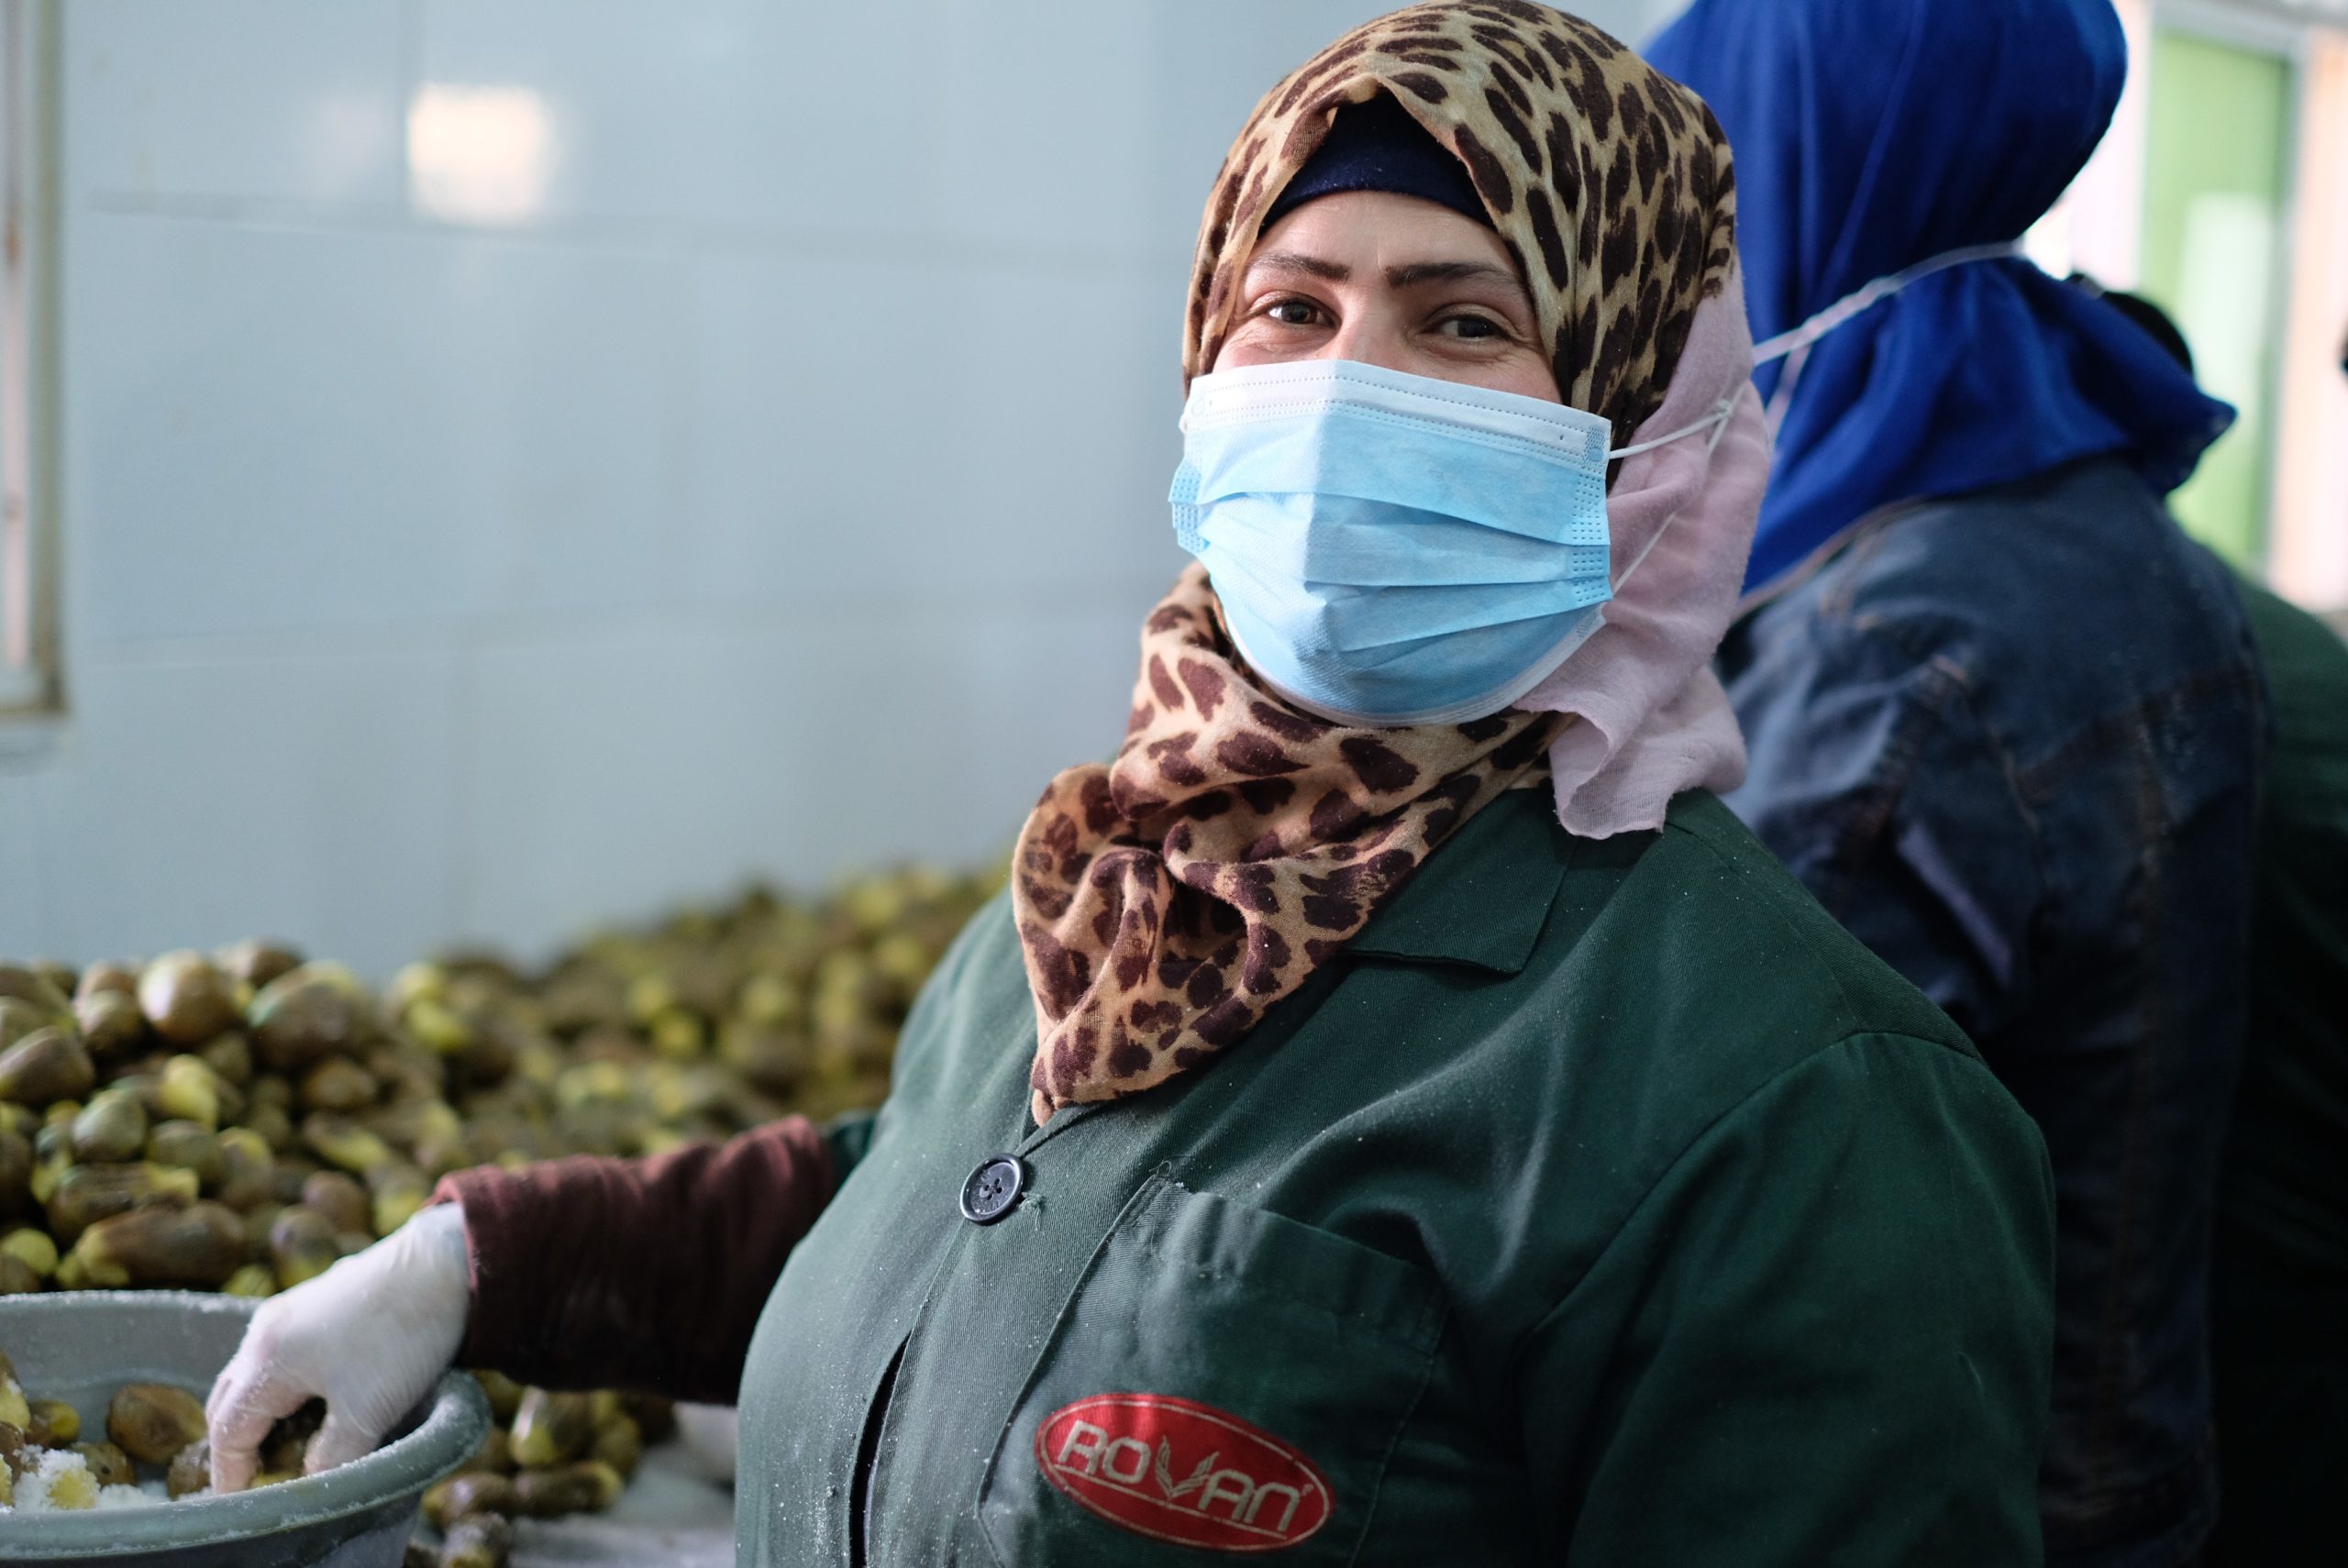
1166, 899
1609, 184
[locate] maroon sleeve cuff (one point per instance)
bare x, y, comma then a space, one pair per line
647, 1275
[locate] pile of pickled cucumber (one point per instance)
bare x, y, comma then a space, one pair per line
237, 1120
549, 1454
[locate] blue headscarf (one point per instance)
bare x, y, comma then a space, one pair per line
1873, 135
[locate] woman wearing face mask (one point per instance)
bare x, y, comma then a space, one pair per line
1396, 1115
2005, 717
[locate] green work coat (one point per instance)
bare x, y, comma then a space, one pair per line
1606, 1204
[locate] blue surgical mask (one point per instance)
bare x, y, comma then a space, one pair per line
1394, 550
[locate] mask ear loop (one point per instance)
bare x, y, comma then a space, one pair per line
1722, 417
1717, 423
1781, 400
1794, 347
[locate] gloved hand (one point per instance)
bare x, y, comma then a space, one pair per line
370, 1336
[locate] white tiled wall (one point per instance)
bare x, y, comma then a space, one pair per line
529, 462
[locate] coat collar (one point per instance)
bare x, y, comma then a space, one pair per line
1482, 899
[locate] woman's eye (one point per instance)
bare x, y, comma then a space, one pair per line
1473, 328
1292, 313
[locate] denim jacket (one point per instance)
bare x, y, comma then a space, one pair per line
2012, 742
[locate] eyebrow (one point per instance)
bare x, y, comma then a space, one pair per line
1409, 274
1415, 272
1297, 262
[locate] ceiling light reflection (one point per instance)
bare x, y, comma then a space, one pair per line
478, 154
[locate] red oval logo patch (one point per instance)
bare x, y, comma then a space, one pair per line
1184, 1471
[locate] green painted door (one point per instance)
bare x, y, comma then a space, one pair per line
2217, 171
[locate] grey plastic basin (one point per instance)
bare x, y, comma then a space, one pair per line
80, 1346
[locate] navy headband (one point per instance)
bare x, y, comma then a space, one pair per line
1376, 145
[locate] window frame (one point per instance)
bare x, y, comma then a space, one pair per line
31, 680
2297, 556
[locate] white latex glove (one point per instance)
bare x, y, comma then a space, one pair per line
370, 1336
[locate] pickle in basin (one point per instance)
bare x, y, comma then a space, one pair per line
287, 1446
190, 1469
15, 1278
187, 1002
69, 1483
54, 1423
46, 1066
153, 1421
109, 1467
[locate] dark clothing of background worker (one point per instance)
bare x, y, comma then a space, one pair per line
2005, 719
2280, 1290
2279, 1284
1397, 1115
2279, 1266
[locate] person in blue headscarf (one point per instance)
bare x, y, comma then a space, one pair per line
2004, 719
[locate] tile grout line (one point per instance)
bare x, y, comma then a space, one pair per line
686, 240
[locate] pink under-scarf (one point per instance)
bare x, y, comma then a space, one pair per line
1652, 719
